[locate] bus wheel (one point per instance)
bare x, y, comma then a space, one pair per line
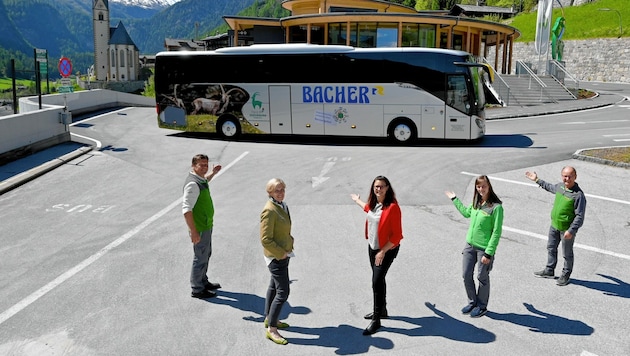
228, 127
402, 131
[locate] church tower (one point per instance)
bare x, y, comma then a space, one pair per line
100, 21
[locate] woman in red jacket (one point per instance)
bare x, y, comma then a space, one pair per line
383, 230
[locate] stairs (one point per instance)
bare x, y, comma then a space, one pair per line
525, 90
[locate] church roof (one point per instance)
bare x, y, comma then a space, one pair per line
119, 35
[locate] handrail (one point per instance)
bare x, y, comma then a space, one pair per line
534, 76
561, 67
504, 84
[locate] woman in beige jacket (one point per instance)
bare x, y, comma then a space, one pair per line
277, 242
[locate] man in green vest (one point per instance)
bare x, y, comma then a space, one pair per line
198, 211
567, 216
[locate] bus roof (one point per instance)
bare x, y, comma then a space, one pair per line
303, 48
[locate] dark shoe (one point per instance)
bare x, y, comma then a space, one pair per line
212, 286
467, 309
280, 341
204, 294
370, 316
372, 328
478, 312
563, 280
545, 273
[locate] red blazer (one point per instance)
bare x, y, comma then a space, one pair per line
390, 225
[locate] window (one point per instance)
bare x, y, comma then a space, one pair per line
387, 35
122, 58
418, 35
337, 34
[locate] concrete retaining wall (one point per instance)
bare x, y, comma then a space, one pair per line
35, 129
600, 60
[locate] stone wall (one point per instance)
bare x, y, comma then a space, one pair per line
602, 60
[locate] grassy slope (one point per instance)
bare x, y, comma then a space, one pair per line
581, 22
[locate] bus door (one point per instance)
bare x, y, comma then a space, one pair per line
280, 109
458, 101
432, 121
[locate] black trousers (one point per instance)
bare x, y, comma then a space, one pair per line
379, 287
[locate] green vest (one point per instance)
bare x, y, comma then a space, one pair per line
203, 211
563, 211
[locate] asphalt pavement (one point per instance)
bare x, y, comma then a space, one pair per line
18, 172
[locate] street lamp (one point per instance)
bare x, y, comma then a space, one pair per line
618, 14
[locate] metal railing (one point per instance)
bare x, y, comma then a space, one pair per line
501, 87
533, 79
559, 66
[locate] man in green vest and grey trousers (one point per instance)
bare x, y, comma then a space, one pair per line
567, 216
198, 211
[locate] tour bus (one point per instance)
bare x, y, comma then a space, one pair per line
404, 93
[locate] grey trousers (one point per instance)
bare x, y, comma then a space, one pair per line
199, 270
278, 290
553, 241
471, 257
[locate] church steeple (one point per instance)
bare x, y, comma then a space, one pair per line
100, 21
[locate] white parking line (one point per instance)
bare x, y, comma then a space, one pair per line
88, 261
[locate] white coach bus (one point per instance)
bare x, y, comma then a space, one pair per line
404, 93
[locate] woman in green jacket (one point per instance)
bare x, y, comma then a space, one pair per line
277, 242
482, 238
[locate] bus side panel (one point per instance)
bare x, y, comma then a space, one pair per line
308, 119
432, 121
457, 125
354, 120
280, 109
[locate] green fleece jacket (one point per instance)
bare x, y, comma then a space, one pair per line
486, 225
569, 206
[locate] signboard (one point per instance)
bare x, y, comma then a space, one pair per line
41, 56
65, 89
66, 82
65, 67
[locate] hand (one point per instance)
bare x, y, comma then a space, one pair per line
378, 260
450, 194
531, 175
194, 237
568, 235
216, 168
355, 197
485, 260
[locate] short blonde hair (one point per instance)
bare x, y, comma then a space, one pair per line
275, 183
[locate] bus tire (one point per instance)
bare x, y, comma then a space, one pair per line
402, 131
228, 127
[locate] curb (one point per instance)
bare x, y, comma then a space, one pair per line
31, 174
579, 156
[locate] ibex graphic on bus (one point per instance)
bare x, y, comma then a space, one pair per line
215, 106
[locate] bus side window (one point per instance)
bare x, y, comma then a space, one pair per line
457, 93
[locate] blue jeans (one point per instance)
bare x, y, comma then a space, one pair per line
471, 257
553, 241
203, 251
278, 290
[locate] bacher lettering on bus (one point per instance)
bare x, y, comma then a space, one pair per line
339, 94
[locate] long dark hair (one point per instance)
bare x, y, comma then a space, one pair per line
492, 196
390, 195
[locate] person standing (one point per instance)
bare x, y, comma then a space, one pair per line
383, 230
277, 242
198, 211
482, 239
567, 216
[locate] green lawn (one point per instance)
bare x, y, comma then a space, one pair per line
581, 22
